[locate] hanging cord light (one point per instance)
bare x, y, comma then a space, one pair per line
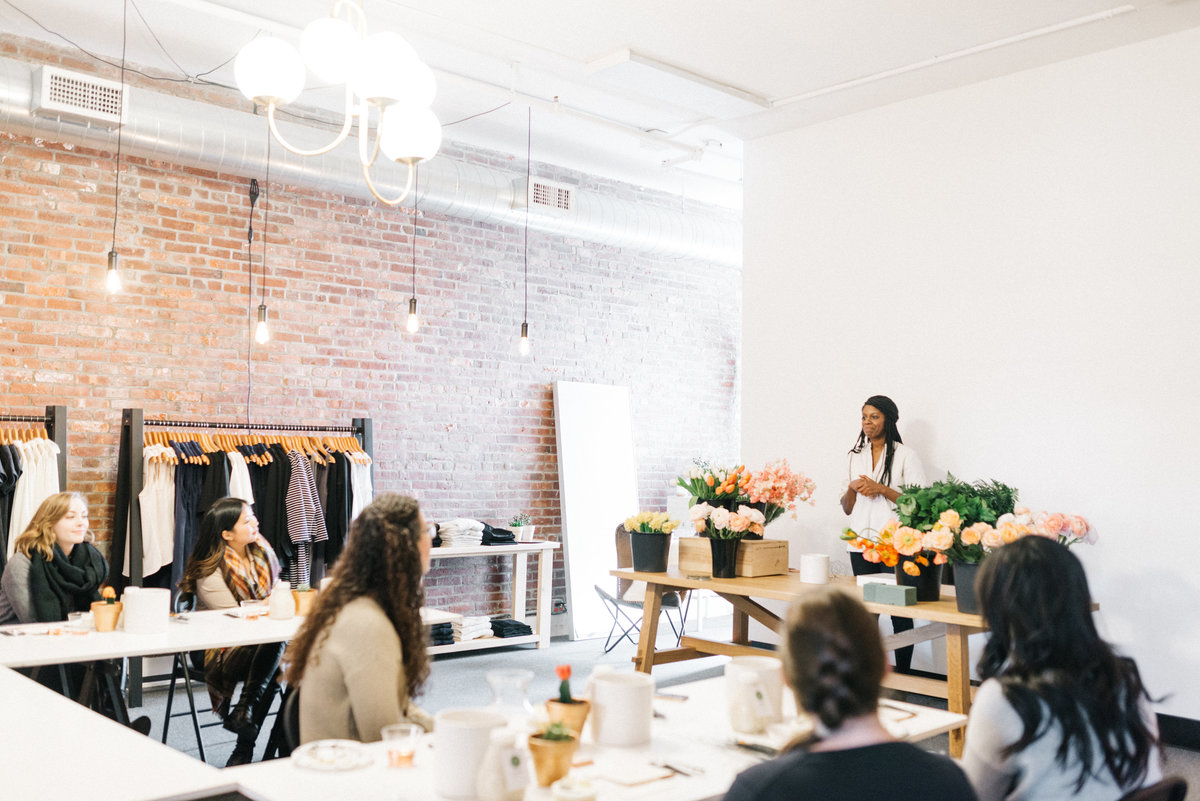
413, 322
262, 334
523, 346
112, 279
250, 291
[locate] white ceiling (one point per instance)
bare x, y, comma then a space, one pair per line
783, 63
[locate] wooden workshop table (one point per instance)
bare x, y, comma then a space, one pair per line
944, 616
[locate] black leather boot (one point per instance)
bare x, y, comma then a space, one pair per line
264, 664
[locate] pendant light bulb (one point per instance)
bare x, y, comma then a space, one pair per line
262, 334
413, 322
523, 347
112, 280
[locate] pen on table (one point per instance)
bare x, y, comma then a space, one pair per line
765, 750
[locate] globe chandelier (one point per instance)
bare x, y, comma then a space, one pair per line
382, 74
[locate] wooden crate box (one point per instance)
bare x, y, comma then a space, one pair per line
755, 557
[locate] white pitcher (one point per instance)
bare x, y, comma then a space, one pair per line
622, 708
754, 692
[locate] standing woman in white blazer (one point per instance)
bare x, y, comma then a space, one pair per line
881, 465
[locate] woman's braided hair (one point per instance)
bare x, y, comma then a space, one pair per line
833, 657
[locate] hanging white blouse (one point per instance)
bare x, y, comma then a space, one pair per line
157, 504
360, 486
38, 481
239, 477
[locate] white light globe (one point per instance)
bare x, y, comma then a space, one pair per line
329, 47
269, 70
384, 68
408, 133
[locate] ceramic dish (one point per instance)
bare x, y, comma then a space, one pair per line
332, 755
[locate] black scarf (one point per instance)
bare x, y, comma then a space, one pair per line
67, 583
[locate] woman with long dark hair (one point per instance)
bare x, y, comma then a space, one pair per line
1060, 714
834, 662
359, 659
232, 563
881, 465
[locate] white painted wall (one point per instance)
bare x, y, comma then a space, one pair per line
1017, 264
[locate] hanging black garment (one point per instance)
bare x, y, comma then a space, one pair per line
215, 485
337, 506
189, 481
272, 508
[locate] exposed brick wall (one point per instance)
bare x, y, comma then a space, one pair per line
461, 420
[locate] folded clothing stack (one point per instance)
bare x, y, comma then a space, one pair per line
441, 634
461, 531
507, 627
472, 628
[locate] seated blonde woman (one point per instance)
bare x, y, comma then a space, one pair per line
834, 663
54, 569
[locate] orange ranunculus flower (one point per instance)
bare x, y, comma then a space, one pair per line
911, 569
939, 539
563, 672
971, 535
738, 524
756, 528
700, 525
908, 541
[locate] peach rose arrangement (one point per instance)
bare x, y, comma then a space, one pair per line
720, 523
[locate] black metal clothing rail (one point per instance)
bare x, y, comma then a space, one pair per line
249, 426
55, 423
130, 481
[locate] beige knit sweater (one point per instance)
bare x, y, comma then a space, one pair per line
354, 683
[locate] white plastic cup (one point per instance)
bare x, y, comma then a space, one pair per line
622, 708
460, 739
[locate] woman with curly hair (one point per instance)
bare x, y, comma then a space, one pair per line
833, 660
360, 656
1060, 713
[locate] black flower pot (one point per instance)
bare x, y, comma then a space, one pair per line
724, 557
928, 583
650, 551
964, 588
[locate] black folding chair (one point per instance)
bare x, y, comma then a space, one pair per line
631, 625
188, 666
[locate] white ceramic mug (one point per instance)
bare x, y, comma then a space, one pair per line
754, 692
622, 708
460, 738
814, 568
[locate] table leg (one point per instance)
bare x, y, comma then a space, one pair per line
651, 608
958, 681
741, 627
519, 576
545, 574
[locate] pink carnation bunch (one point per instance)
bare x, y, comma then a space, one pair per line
777, 484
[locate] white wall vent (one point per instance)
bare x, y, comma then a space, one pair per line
545, 196
74, 96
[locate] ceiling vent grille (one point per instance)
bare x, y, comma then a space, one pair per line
544, 196
74, 96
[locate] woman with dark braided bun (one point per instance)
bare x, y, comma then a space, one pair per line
834, 662
360, 656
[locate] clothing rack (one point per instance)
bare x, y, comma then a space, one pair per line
55, 423
131, 480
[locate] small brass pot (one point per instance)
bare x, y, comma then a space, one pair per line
106, 615
551, 758
304, 601
572, 715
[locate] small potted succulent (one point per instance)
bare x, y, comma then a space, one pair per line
566, 709
521, 528
107, 610
304, 596
552, 749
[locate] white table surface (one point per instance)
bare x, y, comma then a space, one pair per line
53, 748
692, 733
35, 644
